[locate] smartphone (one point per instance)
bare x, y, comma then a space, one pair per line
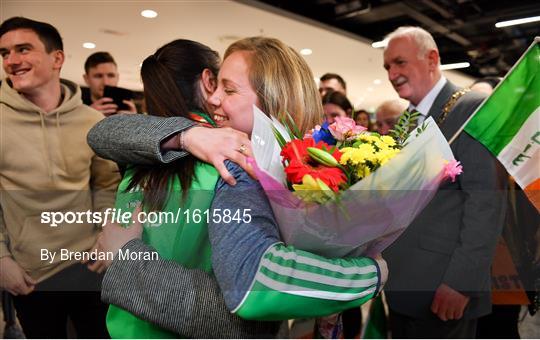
118, 95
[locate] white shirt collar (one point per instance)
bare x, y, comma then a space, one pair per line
425, 104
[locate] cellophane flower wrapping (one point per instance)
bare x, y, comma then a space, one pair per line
371, 214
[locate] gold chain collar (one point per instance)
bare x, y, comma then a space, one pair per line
450, 104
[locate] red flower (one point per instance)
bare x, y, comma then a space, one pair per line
297, 149
300, 163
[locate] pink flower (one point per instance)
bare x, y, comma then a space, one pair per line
345, 128
452, 169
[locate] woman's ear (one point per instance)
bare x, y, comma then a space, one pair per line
209, 81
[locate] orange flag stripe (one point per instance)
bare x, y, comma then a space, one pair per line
533, 193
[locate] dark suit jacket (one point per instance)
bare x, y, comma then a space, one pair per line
453, 240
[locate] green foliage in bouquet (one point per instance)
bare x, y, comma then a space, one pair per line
290, 127
406, 124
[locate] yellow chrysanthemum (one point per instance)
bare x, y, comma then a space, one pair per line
346, 154
363, 171
389, 140
381, 145
372, 152
368, 138
386, 155
358, 155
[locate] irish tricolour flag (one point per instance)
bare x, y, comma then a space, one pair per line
508, 122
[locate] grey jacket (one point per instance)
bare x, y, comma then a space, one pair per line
453, 240
146, 288
136, 139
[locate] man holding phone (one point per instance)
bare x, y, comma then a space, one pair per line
101, 76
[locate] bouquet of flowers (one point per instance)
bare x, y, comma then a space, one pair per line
341, 190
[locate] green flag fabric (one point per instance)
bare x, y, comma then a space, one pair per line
508, 122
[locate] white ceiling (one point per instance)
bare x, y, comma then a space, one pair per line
118, 27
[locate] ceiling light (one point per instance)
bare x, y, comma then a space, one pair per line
306, 51
377, 82
517, 22
89, 45
148, 13
454, 66
380, 44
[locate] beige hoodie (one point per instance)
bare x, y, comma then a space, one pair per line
46, 165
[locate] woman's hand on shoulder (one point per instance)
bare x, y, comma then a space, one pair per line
214, 146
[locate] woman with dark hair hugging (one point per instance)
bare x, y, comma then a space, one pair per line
260, 277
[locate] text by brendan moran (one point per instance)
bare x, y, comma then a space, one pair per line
94, 255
